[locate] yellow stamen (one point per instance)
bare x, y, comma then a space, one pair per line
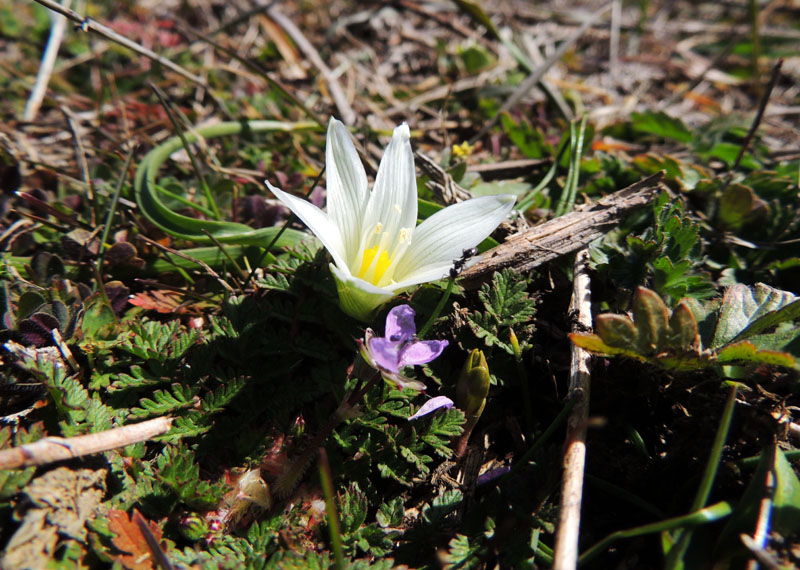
371, 269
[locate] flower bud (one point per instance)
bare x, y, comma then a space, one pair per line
471, 392
473, 385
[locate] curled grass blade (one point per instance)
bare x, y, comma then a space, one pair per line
192, 229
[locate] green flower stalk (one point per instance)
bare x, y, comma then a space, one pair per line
471, 392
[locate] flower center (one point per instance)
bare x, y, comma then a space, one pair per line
373, 269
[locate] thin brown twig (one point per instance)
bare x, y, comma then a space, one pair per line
762, 106
87, 24
80, 155
565, 556
570, 232
346, 111
52, 449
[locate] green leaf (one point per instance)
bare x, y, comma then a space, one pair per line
651, 317
442, 507
164, 403
736, 204
745, 351
661, 125
616, 330
593, 343
506, 303
98, 318
683, 333
391, 514
747, 311
776, 481
462, 554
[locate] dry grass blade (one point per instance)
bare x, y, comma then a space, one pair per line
87, 24
347, 113
59, 25
537, 75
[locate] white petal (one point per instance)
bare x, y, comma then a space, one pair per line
393, 202
423, 275
347, 192
357, 297
443, 237
316, 220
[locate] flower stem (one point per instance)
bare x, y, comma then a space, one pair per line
437, 311
289, 479
330, 508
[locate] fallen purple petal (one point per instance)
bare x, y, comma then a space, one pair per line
491, 475
431, 406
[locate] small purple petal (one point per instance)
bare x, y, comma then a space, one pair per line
385, 353
491, 475
401, 382
400, 323
432, 405
421, 352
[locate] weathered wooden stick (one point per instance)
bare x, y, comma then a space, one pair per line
565, 556
52, 449
565, 234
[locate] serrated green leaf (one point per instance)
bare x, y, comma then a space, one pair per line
442, 507
417, 460
462, 554
388, 472
164, 403
391, 514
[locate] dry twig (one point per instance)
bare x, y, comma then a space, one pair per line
566, 549
567, 233
59, 25
52, 449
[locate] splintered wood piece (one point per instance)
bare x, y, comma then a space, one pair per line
565, 234
51, 449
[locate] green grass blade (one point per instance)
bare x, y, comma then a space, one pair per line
192, 229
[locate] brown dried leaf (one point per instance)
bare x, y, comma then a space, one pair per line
62, 501
131, 541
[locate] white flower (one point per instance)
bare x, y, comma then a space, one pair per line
377, 249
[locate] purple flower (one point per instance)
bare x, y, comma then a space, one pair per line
431, 406
399, 348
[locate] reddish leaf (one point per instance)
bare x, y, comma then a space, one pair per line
159, 300
130, 540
